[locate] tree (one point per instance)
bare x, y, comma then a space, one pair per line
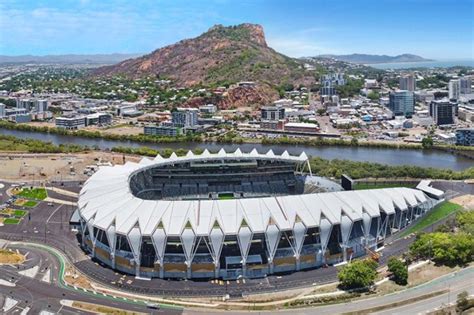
321, 111
358, 274
444, 248
462, 301
399, 271
465, 221
373, 95
427, 142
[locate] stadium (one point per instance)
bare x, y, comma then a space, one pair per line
230, 215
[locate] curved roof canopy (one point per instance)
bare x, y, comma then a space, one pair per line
106, 200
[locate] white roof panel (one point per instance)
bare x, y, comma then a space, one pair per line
107, 198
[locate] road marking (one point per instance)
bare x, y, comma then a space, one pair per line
30, 272
53, 213
9, 304
47, 276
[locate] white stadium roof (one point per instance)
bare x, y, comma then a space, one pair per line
106, 200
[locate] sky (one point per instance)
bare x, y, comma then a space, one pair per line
442, 30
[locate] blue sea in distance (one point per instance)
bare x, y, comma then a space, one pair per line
424, 64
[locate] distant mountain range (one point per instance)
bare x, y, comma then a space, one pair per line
371, 59
67, 59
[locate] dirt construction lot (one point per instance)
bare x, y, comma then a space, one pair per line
466, 201
54, 167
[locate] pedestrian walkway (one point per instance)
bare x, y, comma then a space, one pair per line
59, 201
63, 191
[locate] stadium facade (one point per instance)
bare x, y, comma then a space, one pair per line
227, 215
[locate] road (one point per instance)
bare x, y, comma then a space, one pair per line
43, 290
455, 283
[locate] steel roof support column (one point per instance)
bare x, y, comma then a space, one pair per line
188, 239
90, 227
110, 233
83, 230
299, 232
134, 238
158, 239
272, 238
244, 239
367, 220
346, 229
325, 230
216, 238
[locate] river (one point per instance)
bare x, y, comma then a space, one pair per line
425, 158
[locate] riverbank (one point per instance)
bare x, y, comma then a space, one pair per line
231, 139
323, 167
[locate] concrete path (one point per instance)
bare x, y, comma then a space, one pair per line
59, 201
63, 191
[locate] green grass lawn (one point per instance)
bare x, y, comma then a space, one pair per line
30, 204
226, 196
11, 221
440, 211
35, 193
362, 186
19, 213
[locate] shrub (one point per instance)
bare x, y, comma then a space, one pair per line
399, 271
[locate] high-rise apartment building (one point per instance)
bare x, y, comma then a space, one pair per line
329, 83
408, 82
454, 89
443, 111
185, 117
402, 102
465, 85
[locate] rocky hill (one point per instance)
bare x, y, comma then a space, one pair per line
220, 55
240, 96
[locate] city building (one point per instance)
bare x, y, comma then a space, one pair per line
41, 106
408, 82
272, 124
185, 117
329, 83
232, 215
401, 102
32, 104
466, 113
26, 103
465, 85
301, 127
272, 113
2, 110
128, 110
454, 89
465, 136
162, 130
98, 119
71, 122
443, 111
208, 109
